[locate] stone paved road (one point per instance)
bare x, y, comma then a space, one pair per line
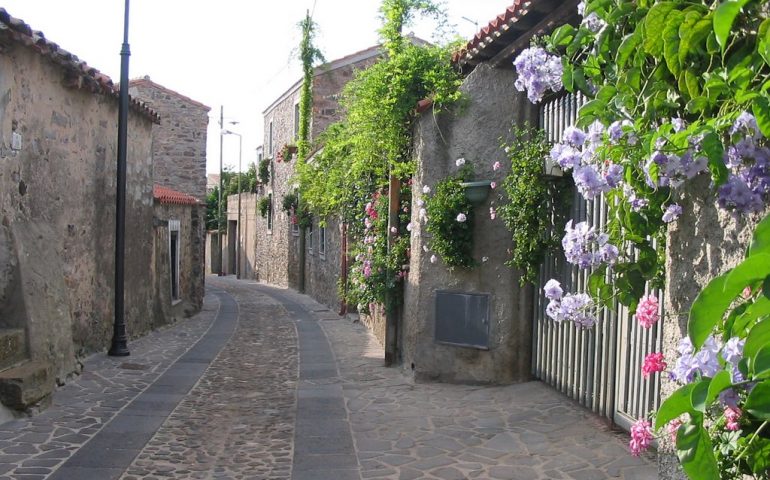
279, 387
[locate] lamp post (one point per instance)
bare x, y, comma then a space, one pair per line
238, 225
219, 200
119, 347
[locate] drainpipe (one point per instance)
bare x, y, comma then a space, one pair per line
391, 310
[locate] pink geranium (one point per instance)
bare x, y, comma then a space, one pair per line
653, 363
641, 437
732, 416
647, 311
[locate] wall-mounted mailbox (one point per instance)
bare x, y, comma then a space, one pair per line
462, 319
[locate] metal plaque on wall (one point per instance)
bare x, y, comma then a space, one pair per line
462, 319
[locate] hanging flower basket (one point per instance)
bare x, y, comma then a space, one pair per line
477, 192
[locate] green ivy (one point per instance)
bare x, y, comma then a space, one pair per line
529, 193
264, 206
264, 171
451, 237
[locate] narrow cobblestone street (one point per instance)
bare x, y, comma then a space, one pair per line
268, 384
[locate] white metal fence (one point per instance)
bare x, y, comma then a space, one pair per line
599, 367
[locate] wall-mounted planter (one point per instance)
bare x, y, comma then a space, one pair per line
477, 192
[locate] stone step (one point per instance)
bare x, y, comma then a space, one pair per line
13, 347
26, 385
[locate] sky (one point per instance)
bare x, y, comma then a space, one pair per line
237, 54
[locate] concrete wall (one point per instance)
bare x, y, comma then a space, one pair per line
179, 142
191, 278
57, 199
248, 237
474, 134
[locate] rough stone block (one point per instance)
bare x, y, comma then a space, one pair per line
26, 385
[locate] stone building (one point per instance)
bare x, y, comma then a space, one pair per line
273, 246
58, 124
179, 142
178, 255
179, 168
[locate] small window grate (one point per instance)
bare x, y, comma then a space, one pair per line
462, 319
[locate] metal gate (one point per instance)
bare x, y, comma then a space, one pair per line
599, 367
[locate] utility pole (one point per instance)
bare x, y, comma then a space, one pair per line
219, 201
119, 347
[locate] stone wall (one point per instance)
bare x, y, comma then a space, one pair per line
179, 142
57, 200
191, 278
322, 270
473, 133
248, 237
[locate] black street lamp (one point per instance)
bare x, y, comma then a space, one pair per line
119, 346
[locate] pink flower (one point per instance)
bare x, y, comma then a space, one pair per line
746, 294
647, 311
653, 363
496, 166
641, 436
672, 428
461, 217
367, 269
393, 230
493, 185
732, 415
492, 213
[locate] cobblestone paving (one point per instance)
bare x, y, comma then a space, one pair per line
238, 421
31, 448
405, 431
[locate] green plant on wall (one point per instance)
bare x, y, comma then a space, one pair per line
264, 206
451, 218
290, 203
528, 207
309, 55
264, 171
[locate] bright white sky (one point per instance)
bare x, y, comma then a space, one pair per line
235, 53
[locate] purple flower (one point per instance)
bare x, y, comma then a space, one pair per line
574, 136
689, 363
553, 290
746, 124
613, 175
537, 71
737, 195
679, 124
672, 213
608, 253
595, 132
578, 308
589, 182
565, 156
593, 22
553, 310
585, 248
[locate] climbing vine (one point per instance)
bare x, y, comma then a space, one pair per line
309, 55
373, 142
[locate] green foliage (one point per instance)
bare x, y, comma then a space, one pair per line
451, 236
290, 203
529, 192
373, 142
264, 206
230, 184
264, 171
309, 55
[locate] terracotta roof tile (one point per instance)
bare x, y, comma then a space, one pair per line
79, 74
485, 35
166, 195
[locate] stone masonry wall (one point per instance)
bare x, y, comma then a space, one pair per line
179, 142
191, 276
57, 199
703, 243
323, 270
473, 134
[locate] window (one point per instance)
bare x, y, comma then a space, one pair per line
310, 238
269, 212
321, 241
270, 139
173, 249
296, 121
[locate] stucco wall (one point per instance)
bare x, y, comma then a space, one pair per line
472, 133
702, 244
179, 142
57, 197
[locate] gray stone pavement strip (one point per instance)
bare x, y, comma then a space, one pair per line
84, 405
109, 453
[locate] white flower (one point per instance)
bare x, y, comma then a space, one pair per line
409, 226
393, 230
461, 217
433, 259
425, 248
425, 189
460, 162
484, 259
420, 203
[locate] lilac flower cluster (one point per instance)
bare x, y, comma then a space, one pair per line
538, 71
574, 307
672, 169
748, 185
578, 152
586, 248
